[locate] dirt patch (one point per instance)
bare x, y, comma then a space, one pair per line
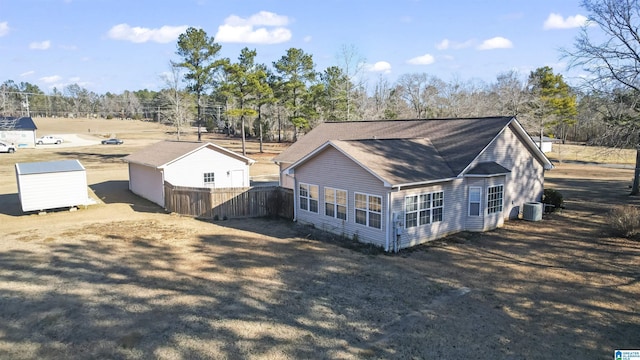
125, 280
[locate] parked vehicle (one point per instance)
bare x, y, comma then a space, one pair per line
113, 141
8, 148
49, 139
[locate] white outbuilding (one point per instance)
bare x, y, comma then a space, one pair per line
51, 185
188, 164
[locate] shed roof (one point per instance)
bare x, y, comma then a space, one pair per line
163, 153
48, 167
17, 123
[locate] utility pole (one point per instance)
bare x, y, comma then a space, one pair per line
25, 104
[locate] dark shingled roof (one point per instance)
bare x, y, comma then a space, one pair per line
488, 168
164, 152
398, 161
457, 141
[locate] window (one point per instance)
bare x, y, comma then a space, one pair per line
494, 199
368, 210
308, 197
423, 209
335, 203
209, 178
475, 194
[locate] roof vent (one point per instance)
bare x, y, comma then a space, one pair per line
532, 211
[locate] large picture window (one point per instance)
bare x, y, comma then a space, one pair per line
475, 195
308, 196
368, 210
335, 203
423, 209
494, 199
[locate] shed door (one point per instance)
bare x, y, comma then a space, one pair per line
237, 178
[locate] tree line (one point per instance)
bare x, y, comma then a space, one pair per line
277, 101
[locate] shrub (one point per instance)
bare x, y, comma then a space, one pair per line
553, 197
625, 221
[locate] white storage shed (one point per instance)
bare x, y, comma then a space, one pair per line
51, 185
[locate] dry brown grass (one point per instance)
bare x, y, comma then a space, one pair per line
123, 280
592, 154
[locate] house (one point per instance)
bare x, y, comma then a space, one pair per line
547, 143
51, 185
189, 164
401, 183
20, 131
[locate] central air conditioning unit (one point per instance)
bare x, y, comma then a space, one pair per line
532, 211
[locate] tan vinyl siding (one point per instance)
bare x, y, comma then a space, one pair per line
453, 219
476, 223
525, 183
286, 181
330, 168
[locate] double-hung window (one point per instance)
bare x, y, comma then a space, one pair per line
423, 209
475, 195
494, 199
368, 210
308, 196
335, 203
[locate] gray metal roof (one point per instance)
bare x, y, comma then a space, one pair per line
48, 167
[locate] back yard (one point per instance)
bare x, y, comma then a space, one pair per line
124, 280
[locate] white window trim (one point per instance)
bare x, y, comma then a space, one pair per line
479, 202
204, 178
355, 209
335, 203
308, 198
501, 200
431, 208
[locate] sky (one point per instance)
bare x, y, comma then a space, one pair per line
117, 45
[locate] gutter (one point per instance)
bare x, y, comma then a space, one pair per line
399, 186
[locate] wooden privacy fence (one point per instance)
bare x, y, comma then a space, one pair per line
229, 202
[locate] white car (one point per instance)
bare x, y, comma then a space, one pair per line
49, 139
8, 148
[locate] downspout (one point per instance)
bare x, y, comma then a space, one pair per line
295, 198
390, 229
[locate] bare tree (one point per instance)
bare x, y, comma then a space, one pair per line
613, 61
175, 100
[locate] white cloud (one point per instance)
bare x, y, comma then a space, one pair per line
27, 73
265, 18
261, 28
51, 79
443, 45
380, 66
308, 38
43, 45
448, 44
556, 21
425, 59
497, 42
4, 28
137, 34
